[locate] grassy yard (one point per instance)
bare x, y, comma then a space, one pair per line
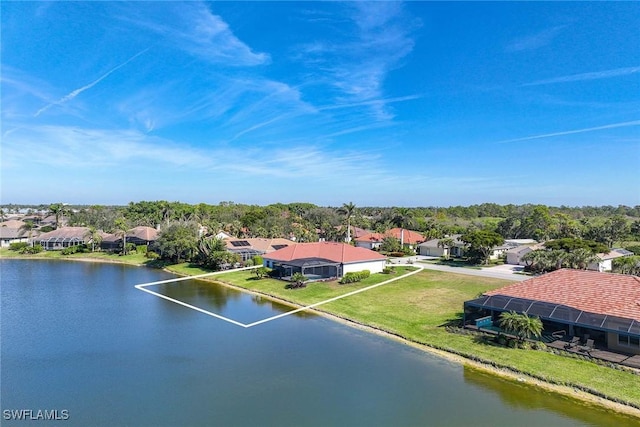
418, 308
133, 258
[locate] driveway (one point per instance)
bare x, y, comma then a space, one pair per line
506, 272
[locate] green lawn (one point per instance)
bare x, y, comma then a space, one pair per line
133, 258
419, 306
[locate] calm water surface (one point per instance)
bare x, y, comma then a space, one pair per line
80, 337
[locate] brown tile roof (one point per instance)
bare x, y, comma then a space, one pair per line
591, 291
65, 233
371, 237
333, 251
143, 233
409, 237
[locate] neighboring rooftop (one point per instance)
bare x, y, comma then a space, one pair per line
589, 291
332, 251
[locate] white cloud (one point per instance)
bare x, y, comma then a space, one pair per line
78, 91
192, 27
597, 75
570, 132
534, 41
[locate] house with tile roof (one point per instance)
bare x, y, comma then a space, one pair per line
139, 236
605, 261
604, 306
324, 260
63, 237
432, 247
250, 247
9, 235
408, 238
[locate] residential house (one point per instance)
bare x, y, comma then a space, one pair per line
63, 237
407, 238
324, 260
604, 306
434, 248
515, 254
9, 235
139, 236
250, 247
605, 260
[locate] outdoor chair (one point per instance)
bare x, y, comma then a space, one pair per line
588, 346
573, 342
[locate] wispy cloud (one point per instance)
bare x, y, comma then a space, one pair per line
597, 75
192, 27
70, 96
534, 41
355, 69
570, 132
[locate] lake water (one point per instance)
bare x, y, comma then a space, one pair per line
78, 337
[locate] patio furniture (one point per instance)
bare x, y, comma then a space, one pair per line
587, 347
573, 342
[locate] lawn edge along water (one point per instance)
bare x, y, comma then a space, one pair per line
463, 351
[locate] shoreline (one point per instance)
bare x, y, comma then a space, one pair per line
504, 373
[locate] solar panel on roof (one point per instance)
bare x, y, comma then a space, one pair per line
276, 247
238, 243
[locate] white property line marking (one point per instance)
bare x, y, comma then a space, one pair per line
143, 286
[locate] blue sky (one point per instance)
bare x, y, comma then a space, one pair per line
381, 104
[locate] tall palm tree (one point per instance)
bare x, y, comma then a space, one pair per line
94, 235
121, 231
348, 210
28, 228
58, 210
446, 243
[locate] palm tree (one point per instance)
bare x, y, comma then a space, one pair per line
94, 235
348, 209
581, 258
521, 325
446, 243
28, 228
121, 231
58, 210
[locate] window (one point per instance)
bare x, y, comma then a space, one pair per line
629, 341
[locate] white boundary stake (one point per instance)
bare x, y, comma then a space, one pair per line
143, 287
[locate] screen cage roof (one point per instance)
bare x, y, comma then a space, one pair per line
558, 313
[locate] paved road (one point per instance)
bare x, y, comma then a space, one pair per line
496, 273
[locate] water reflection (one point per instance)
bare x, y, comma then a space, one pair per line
528, 397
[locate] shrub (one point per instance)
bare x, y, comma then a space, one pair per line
257, 260
70, 250
152, 255
32, 249
261, 272
355, 276
142, 249
249, 263
388, 270
18, 246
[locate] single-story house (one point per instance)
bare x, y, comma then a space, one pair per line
63, 237
408, 238
432, 248
604, 306
9, 235
604, 262
139, 236
515, 254
324, 260
250, 247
